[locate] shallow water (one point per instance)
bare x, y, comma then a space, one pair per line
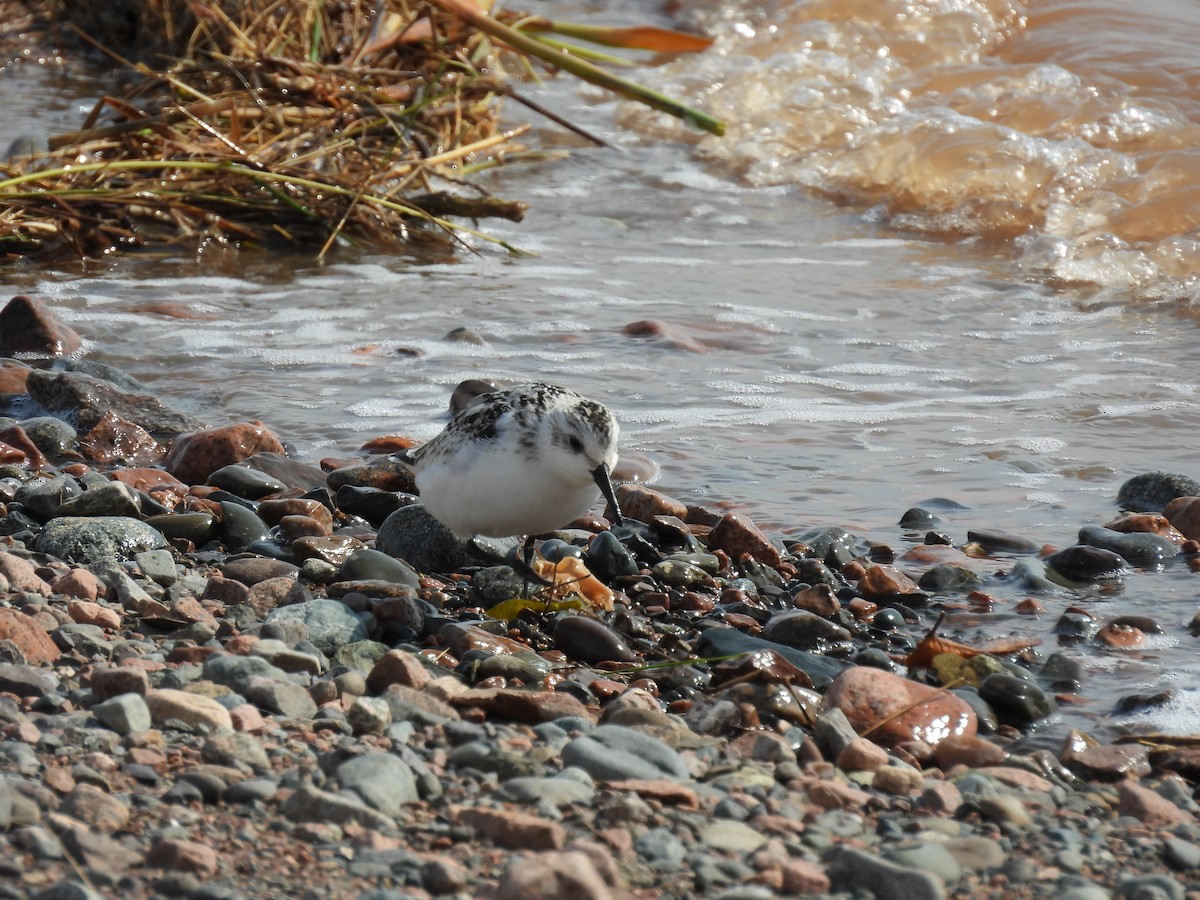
944, 252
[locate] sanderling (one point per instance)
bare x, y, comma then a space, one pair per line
522, 460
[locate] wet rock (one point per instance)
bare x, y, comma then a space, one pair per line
967, 750
116, 439
724, 641
240, 527
240, 480
1148, 523
1087, 565
330, 623
95, 539
413, 535
883, 583
1184, 515
12, 376
1107, 762
371, 503
738, 536
29, 327
333, 549
195, 456
897, 709
607, 558
1152, 491
85, 399
1001, 542
804, 631
1017, 702
110, 499
833, 546
385, 474
197, 527
52, 436
251, 570
1137, 548
948, 577
643, 504
918, 519
41, 497
589, 640
373, 565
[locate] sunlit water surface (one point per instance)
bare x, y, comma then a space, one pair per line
985, 316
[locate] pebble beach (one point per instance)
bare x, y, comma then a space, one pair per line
226, 672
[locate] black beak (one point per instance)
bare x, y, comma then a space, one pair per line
600, 474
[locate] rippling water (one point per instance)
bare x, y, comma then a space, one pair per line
945, 251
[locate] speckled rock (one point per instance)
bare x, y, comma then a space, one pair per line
92, 540
871, 698
196, 455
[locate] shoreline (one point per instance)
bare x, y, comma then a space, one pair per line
184, 711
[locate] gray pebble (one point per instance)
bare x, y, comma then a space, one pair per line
124, 714
372, 565
245, 481
91, 540
556, 791
413, 535
1150, 887
926, 856
659, 844
382, 780
241, 527
41, 497
330, 623
1136, 548
615, 753
1151, 491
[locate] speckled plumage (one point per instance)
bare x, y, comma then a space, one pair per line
523, 460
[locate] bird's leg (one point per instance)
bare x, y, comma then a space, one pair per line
527, 553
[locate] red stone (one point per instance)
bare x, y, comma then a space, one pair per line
1149, 807
31, 639
398, 667
29, 326
892, 709
183, 856
643, 503
13, 376
115, 439
14, 436
195, 456
147, 479
1184, 514
737, 535
80, 584
886, 581
514, 830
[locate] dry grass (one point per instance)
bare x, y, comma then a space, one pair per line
309, 123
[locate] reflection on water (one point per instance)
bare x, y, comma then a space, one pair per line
819, 366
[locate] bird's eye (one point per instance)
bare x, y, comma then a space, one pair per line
575, 444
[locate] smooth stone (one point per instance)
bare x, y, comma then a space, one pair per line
371, 503
852, 870
804, 630
124, 714
93, 540
1001, 541
109, 499
382, 780
590, 640
1152, 491
1086, 565
197, 527
724, 641
27, 681
1136, 548
918, 519
283, 698
616, 753
1150, 887
1017, 702
926, 856
898, 709
659, 845
41, 497
553, 791
330, 623
245, 481
948, 577
311, 804
241, 527
1182, 855
728, 835
835, 546
413, 535
607, 558
51, 435
1031, 575
372, 565
250, 790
